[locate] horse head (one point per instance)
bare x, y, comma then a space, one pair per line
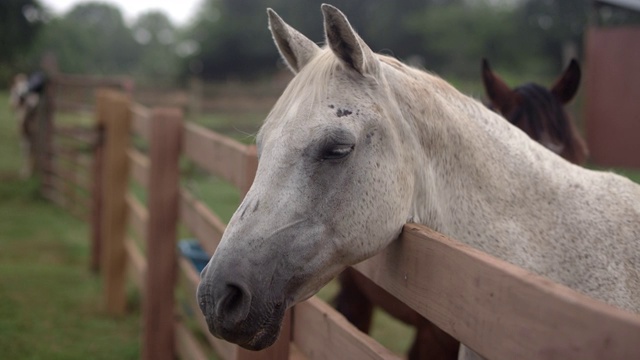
539, 112
326, 158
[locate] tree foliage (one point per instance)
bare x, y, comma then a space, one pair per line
229, 38
92, 37
20, 22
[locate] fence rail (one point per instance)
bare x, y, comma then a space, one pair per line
66, 173
499, 310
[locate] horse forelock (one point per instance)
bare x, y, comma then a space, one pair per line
543, 114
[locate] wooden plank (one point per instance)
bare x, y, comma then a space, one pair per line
295, 353
137, 262
139, 167
90, 81
138, 216
69, 176
117, 122
320, 332
201, 221
70, 106
217, 154
141, 122
499, 310
164, 177
44, 131
224, 349
66, 153
77, 134
187, 346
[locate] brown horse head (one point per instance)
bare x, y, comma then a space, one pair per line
539, 111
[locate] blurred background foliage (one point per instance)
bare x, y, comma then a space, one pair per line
228, 39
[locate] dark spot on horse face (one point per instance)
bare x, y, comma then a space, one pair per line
368, 138
343, 112
331, 106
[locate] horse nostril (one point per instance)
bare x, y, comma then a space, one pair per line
234, 304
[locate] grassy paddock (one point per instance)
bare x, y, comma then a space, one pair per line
50, 303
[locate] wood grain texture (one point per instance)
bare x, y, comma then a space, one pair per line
158, 304
137, 263
139, 167
138, 216
141, 121
499, 310
320, 332
218, 154
117, 124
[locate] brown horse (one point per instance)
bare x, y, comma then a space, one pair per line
538, 112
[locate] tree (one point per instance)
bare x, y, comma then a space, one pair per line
158, 39
91, 38
557, 26
20, 21
455, 37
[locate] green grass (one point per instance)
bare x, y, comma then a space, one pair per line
50, 303
241, 127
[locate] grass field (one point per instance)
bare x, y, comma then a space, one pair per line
50, 303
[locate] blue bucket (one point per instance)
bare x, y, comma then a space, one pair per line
191, 249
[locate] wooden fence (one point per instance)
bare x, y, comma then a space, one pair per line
68, 173
499, 310
65, 153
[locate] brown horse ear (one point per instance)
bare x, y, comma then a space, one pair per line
500, 95
566, 86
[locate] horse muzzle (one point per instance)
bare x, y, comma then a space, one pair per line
235, 314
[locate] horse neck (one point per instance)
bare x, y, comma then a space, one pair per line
471, 161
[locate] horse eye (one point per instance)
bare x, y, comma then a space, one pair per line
337, 152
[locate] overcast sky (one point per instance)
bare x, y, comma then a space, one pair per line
179, 11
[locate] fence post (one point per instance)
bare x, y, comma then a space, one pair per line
160, 278
116, 114
41, 146
97, 174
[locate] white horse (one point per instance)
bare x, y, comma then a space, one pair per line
359, 144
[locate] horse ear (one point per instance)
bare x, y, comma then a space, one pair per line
296, 49
566, 86
346, 44
500, 95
